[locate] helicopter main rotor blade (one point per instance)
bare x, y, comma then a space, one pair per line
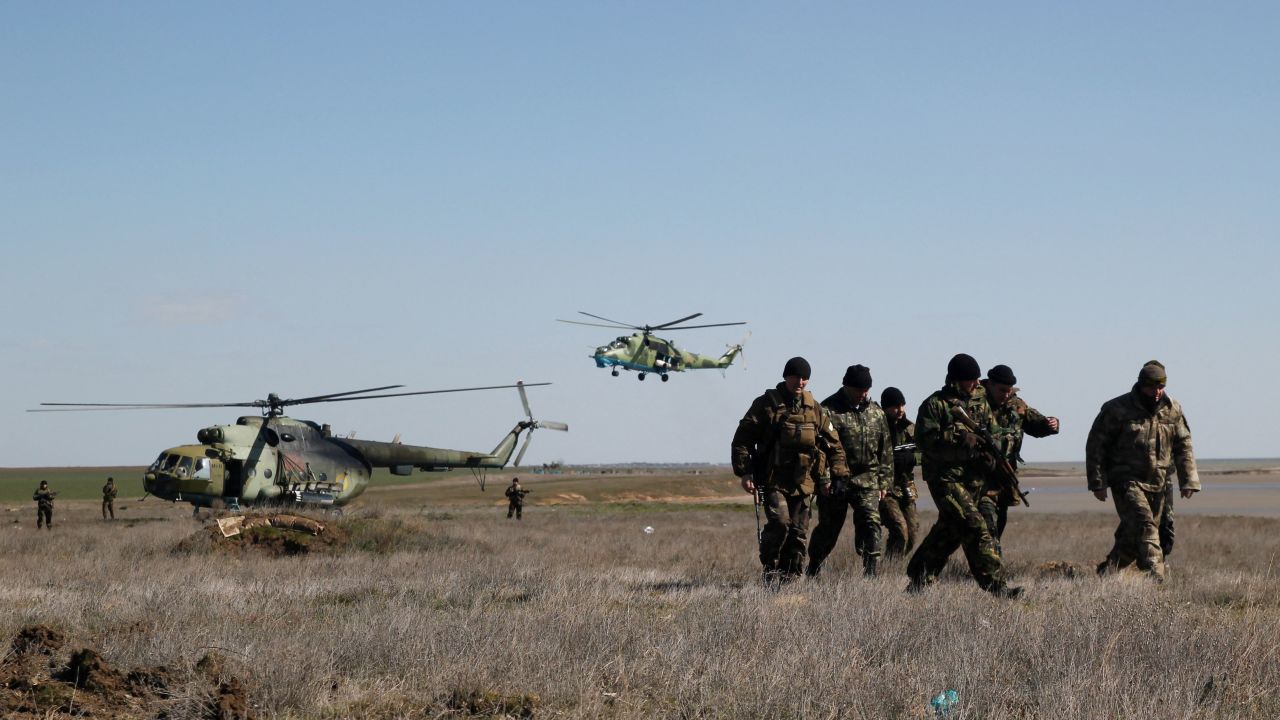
433, 392
692, 327
553, 425
673, 322
319, 398
615, 327
73, 407
636, 327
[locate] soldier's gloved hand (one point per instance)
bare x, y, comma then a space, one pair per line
1101, 494
1187, 492
748, 484
971, 441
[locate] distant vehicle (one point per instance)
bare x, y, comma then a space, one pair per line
646, 353
281, 460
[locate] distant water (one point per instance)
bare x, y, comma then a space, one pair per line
1202, 464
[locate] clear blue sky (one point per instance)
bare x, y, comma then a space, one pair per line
211, 202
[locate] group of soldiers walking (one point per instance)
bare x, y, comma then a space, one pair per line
792, 452
43, 497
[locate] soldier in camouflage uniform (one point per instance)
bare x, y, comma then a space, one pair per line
109, 493
44, 505
868, 451
898, 508
956, 475
784, 448
515, 499
1134, 444
1011, 419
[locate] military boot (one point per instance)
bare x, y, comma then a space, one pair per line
1006, 592
869, 565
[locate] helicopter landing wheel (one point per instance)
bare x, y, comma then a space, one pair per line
640, 376
614, 373
664, 377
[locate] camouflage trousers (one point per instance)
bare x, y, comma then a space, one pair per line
832, 511
108, 506
960, 524
898, 515
515, 507
44, 517
1138, 537
786, 528
995, 510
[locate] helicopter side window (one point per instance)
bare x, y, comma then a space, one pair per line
169, 462
184, 467
202, 469
156, 465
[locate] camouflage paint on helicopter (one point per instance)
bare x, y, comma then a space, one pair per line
274, 458
646, 353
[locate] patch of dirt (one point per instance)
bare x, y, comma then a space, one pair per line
270, 534
1059, 569
485, 703
46, 674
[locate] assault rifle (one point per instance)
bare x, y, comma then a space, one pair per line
1004, 471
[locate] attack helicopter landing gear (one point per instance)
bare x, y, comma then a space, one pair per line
640, 376
664, 377
614, 373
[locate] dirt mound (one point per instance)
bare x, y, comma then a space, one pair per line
42, 678
1059, 569
270, 534
484, 703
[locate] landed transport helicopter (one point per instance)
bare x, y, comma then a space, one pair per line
646, 353
282, 460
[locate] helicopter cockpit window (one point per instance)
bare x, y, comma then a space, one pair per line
202, 469
184, 467
170, 461
156, 465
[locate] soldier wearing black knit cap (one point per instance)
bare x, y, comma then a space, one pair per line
1011, 419
950, 454
784, 450
898, 508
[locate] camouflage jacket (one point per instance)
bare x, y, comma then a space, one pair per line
903, 432
943, 453
1129, 443
1011, 421
787, 442
109, 492
864, 434
43, 498
516, 493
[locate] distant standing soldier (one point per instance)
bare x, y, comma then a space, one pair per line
109, 498
44, 505
956, 475
898, 508
1135, 441
515, 499
785, 447
1011, 419
868, 452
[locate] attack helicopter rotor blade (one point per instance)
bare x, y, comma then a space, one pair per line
615, 327
637, 327
553, 425
523, 447
524, 399
432, 392
691, 327
673, 322
78, 407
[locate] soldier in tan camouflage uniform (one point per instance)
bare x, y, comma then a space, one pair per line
109, 493
784, 448
1011, 419
44, 505
868, 451
1135, 441
898, 508
956, 475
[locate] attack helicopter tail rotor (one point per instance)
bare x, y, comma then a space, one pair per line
532, 424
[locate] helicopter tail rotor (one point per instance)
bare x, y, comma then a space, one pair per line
532, 424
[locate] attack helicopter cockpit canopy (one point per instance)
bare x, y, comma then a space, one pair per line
275, 458
645, 352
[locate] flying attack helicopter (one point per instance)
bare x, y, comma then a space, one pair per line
278, 459
646, 353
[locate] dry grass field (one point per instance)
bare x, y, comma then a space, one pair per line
432, 606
